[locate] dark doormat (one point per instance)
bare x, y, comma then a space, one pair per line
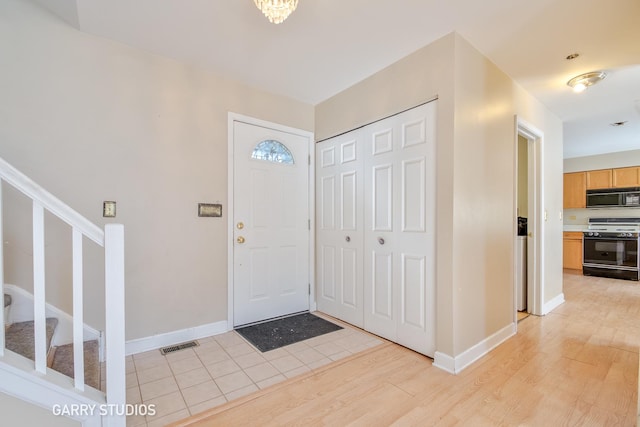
288, 330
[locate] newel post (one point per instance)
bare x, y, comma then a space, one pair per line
114, 316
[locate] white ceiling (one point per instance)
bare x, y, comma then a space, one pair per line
328, 45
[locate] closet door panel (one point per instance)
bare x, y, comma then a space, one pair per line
415, 234
340, 228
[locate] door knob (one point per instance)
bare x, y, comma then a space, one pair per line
348, 239
240, 239
381, 240
530, 234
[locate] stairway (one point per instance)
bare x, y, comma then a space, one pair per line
19, 338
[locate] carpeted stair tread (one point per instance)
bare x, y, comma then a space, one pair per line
19, 337
63, 362
7, 300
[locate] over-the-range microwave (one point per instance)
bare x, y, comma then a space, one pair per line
614, 197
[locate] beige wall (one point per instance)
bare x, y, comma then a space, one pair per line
93, 120
16, 412
619, 159
475, 177
411, 81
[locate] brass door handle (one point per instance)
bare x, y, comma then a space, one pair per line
240, 239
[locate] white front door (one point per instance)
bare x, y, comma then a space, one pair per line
270, 223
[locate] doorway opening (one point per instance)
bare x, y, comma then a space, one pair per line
528, 221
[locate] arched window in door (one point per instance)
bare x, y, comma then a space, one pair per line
272, 151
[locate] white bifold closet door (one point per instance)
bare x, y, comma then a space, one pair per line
376, 227
340, 225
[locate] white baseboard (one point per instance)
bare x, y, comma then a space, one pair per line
444, 362
455, 365
176, 337
553, 304
22, 311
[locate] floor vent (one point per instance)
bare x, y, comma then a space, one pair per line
178, 347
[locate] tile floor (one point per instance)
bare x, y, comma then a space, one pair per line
226, 367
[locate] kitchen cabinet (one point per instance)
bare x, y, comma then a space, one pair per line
575, 187
626, 177
599, 179
572, 250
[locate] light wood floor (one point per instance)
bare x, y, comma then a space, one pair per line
577, 366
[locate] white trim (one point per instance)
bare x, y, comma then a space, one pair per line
535, 293
18, 379
32, 190
4, 312
455, 365
78, 310
22, 311
548, 307
155, 342
235, 117
114, 284
444, 362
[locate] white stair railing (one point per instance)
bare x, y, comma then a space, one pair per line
112, 240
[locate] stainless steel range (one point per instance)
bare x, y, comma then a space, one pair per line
610, 248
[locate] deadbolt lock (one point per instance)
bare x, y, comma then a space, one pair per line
240, 225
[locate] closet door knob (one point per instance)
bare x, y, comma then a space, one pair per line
348, 239
381, 240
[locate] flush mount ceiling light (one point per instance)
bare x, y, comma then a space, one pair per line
616, 124
276, 10
583, 81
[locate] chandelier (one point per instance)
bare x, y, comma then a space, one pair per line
276, 10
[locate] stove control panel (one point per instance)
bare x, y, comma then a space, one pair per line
612, 235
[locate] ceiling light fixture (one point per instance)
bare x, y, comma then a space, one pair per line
616, 124
583, 81
276, 10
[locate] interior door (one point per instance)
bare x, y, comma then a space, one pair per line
399, 242
339, 185
271, 223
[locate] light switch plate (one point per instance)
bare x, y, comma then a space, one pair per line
109, 209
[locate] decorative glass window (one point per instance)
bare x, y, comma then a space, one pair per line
272, 151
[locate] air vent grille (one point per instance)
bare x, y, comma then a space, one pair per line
178, 347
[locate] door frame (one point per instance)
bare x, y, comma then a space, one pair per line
536, 217
235, 117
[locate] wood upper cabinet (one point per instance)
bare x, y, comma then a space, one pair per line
572, 250
626, 177
575, 187
599, 179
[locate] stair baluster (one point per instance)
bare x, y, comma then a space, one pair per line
2, 325
78, 314
39, 312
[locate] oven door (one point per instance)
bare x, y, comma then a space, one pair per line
612, 252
